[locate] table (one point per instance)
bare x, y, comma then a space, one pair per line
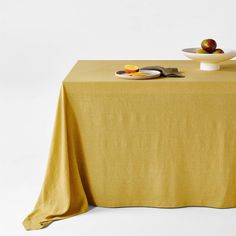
168, 142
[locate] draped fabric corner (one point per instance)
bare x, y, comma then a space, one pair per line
62, 194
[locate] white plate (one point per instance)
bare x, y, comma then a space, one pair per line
151, 74
209, 61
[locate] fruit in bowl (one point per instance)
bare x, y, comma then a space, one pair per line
209, 55
218, 51
209, 46
202, 51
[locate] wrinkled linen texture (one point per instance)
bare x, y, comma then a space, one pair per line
167, 142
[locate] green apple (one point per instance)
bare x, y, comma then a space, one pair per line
202, 51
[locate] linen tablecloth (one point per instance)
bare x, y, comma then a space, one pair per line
167, 142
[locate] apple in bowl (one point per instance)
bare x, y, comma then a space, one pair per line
209, 45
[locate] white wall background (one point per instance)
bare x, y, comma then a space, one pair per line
39, 43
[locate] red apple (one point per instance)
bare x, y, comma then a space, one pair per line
209, 45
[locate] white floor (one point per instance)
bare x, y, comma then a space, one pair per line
27, 109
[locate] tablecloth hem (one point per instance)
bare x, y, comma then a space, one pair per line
158, 205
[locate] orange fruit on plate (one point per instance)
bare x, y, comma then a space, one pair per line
131, 68
137, 74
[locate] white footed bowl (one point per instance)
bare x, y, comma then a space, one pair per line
209, 62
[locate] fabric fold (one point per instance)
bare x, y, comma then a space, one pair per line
62, 194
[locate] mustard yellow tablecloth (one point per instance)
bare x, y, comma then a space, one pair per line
164, 143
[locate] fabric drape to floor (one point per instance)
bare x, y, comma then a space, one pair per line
167, 142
